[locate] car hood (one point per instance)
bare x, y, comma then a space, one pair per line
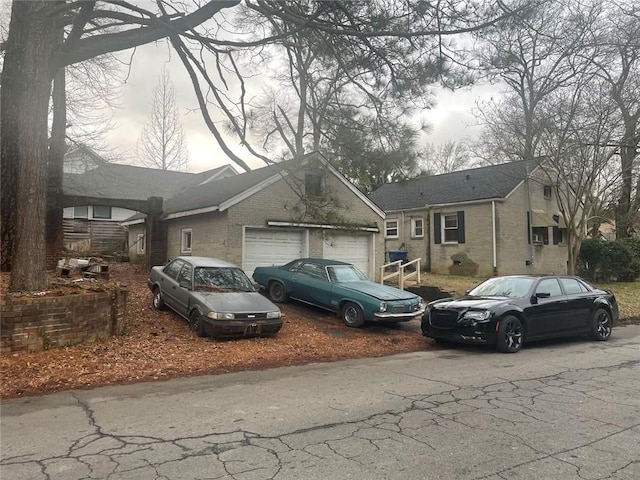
381, 292
469, 302
235, 302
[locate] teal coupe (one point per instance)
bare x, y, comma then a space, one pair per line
339, 287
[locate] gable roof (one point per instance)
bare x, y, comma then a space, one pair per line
220, 195
476, 184
117, 181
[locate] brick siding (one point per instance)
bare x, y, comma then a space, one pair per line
32, 324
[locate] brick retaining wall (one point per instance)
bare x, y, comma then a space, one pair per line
30, 324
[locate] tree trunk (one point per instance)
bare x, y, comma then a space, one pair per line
55, 164
624, 210
26, 85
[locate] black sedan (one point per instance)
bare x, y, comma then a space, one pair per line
507, 311
216, 297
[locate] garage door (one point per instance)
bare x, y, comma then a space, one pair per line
264, 247
354, 249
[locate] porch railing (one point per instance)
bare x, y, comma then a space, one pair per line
399, 271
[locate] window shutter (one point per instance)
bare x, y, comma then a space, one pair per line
529, 226
437, 231
461, 238
556, 236
545, 236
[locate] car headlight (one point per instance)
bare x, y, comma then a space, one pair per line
273, 314
221, 315
383, 306
477, 315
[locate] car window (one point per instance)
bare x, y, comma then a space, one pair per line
511, 287
173, 269
571, 286
345, 273
185, 274
550, 286
216, 279
294, 266
314, 270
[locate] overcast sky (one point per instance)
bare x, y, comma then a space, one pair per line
451, 119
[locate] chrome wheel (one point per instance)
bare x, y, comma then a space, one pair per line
352, 315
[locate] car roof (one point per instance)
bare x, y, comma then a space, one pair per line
206, 262
324, 261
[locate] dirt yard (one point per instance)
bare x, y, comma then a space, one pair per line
159, 346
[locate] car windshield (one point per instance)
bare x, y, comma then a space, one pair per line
345, 273
221, 279
503, 287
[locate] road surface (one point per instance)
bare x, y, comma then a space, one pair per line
561, 410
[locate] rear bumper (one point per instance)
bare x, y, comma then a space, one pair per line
242, 328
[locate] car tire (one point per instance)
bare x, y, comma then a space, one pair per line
196, 323
352, 315
277, 292
158, 302
600, 325
510, 335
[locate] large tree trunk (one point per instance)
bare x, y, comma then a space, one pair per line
625, 213
26, 85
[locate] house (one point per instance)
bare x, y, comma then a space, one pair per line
97, 194
269, 216
500, 219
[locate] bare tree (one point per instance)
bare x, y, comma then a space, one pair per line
576, 138
446, 157
35, 51
162, 144
619, 66
541, 50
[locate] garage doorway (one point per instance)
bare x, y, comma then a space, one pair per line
352, 248
265, 247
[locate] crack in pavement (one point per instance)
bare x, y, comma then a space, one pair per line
556, 410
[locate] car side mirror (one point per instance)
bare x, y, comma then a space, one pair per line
185, 284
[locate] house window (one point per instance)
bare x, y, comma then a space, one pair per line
81, 212
450, 228
559, 236
391, 228
141, 243
101, 212
185, 245
313, 185
417, 227
546, 190
540, 235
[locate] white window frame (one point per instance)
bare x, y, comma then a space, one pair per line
388, 226
184, 234
444, 227
141, 241
414, 227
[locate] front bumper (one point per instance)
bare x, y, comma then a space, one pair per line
242, 328
481, 333
397, 317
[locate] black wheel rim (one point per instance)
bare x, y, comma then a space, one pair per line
350, 315
603, 326
195, 323
276, 291
513, 335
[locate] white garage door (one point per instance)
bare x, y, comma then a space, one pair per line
264, 247
354, 249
